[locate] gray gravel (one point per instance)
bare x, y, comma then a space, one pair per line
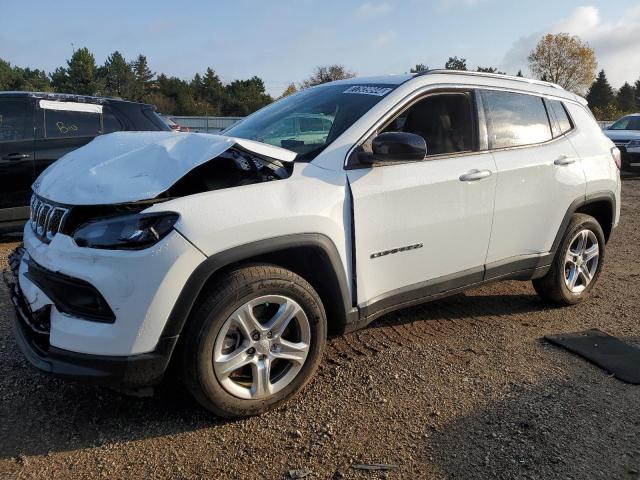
459, 388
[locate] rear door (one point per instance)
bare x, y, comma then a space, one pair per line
63, 127
16, 157
539, 176
423, 227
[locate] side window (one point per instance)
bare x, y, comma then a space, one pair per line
110, 122
515, 119
313, 124
445, 121
64, 124
562, 124
16, 120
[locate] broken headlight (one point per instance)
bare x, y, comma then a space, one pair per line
132, 232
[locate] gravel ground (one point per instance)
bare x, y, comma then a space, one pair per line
464, 387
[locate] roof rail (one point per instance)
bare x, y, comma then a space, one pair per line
489, 75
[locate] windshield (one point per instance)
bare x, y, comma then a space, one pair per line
310, 120
631, 122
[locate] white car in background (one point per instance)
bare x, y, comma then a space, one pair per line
625, 133
233, 258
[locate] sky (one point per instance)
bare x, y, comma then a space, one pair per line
282, 42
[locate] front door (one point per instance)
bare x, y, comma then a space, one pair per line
423, 227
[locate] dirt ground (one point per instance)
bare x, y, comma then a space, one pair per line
464, 387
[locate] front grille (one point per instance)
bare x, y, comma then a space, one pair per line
46, 218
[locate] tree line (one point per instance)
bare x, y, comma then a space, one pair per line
559, 58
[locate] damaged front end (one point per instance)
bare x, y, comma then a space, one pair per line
96, 194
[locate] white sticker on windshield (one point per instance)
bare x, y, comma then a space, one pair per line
70, 106
368, 90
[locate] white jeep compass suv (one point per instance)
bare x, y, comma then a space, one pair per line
231, 256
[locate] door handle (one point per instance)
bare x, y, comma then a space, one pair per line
564, 160
475, 175
16, 156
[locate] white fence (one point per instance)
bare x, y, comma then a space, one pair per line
206, 124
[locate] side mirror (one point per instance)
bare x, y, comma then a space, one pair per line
398, 147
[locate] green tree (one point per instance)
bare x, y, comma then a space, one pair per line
246, 96
144, 78
420, 67
626, 98
80, 73
119, 79
327, 73
565, 60
6, 75
519, 74
455, 63
490, 70
636, 87
600, 93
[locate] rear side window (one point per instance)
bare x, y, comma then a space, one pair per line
515, 119
110, 122
64, 124
562, 123
16, 120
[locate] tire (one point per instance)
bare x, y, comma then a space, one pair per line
219, 337
555, 286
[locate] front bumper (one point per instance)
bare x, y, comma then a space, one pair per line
32, 335
630, 160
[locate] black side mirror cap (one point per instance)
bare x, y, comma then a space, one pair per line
398, 147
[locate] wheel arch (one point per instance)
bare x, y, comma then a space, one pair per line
313, 256
600, 205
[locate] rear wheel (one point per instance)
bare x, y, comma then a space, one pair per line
577, 264
254, 341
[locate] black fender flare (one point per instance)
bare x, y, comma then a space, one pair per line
199, 277
575, 206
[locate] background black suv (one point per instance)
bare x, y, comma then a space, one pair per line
38, 128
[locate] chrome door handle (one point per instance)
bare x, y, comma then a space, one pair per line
564, 160
475, 175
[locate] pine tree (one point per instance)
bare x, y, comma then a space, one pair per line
144, 78
119, 79
626, 98
637, 91
455, 63
420, 67
519, 74
600, 93
81, 73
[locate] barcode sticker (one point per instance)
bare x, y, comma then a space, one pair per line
368, 90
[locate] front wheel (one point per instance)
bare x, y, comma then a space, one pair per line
577, 264
254, 341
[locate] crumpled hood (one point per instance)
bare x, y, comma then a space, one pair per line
131, 166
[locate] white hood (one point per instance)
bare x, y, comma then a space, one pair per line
131, 166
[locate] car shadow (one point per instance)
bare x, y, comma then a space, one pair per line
42, 414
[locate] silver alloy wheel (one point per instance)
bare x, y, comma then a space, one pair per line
255, 357
581, 261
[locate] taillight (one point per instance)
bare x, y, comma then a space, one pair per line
617, 158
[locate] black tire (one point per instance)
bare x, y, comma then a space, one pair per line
552, 286
215, 306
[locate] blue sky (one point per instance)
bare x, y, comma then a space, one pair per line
283, 41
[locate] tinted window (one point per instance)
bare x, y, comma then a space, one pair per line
110, 122
515, 119
627, 123
562, 124
445, 122
16, 120
65, 123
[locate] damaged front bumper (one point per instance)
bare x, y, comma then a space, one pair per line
32, 331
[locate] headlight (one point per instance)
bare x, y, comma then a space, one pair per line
131, 231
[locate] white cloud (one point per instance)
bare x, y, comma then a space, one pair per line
373, 9
616, 44
455, 3
384, 38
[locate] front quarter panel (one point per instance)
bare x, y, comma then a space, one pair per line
311, 200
